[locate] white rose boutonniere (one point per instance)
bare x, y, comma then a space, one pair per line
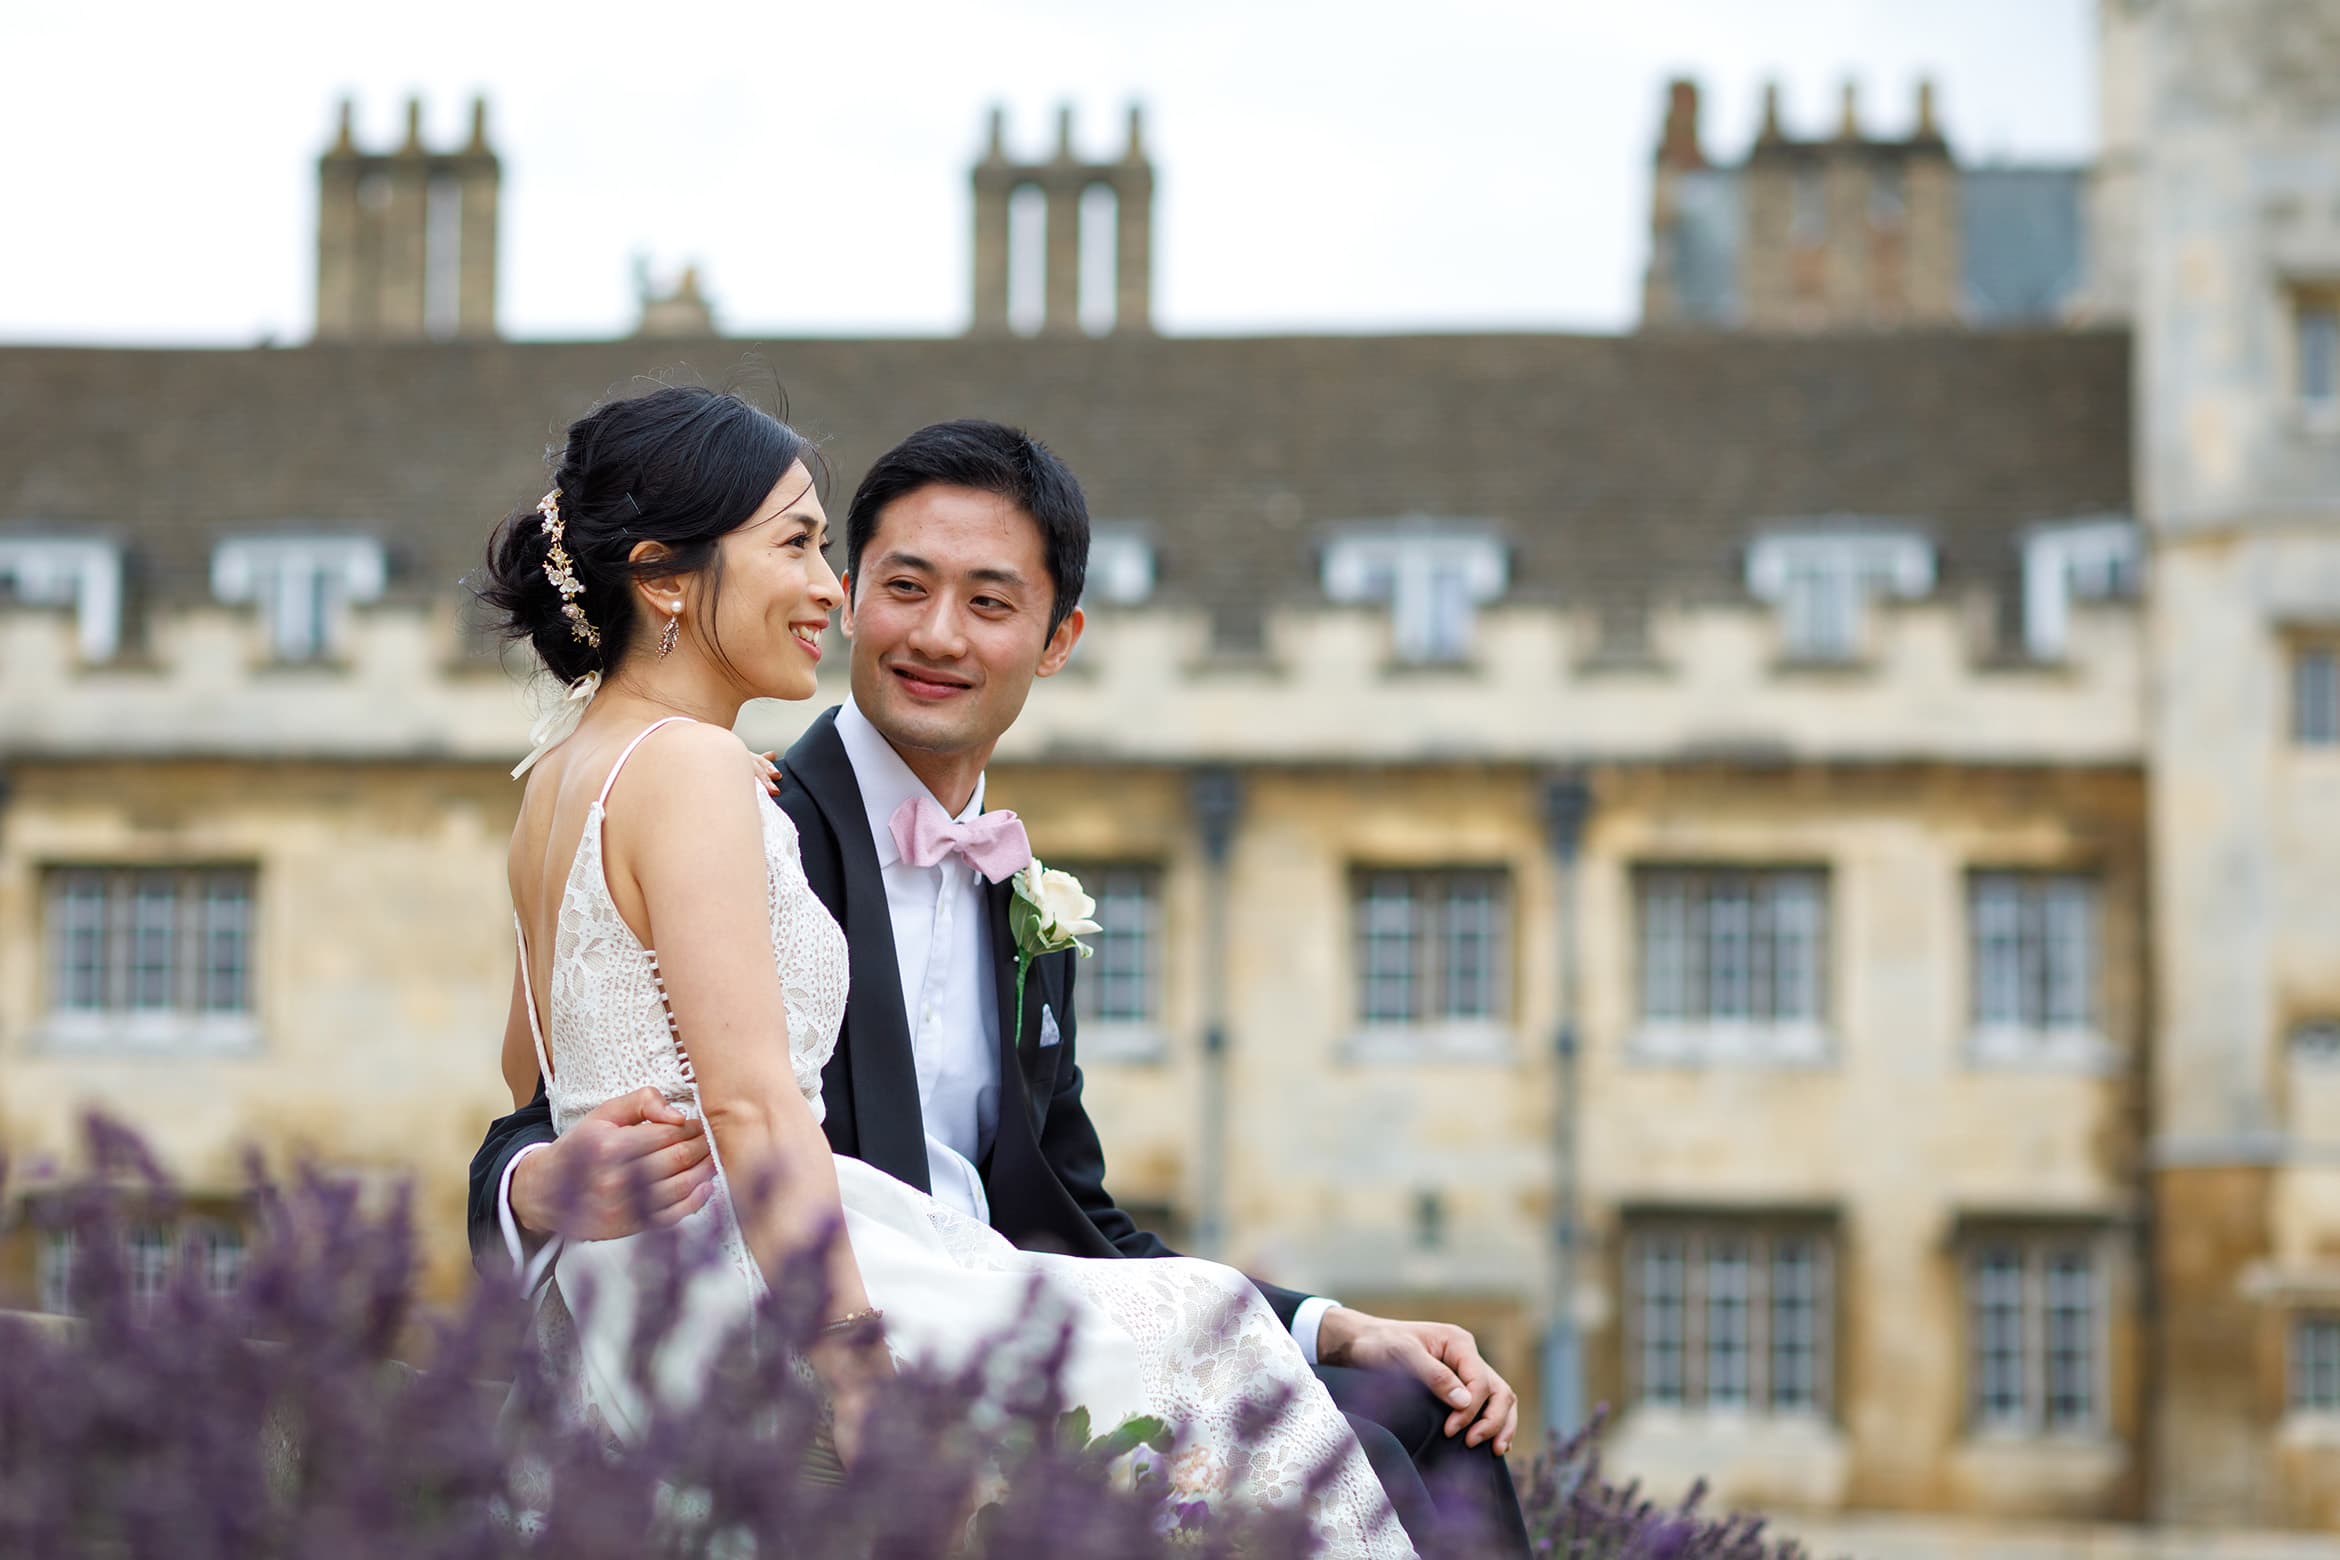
1048, 912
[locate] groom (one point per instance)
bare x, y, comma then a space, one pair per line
966, 547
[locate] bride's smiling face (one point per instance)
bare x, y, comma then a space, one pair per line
758, 610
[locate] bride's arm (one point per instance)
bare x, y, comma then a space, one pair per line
685, 830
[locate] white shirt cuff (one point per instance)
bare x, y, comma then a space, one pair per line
1307, 1321
531, 1266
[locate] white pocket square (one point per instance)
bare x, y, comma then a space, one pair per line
1049, 1034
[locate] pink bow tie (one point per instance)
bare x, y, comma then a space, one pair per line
993, 843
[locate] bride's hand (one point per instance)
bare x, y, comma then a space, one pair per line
767, 771
852, 1368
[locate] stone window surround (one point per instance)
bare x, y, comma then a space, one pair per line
1774, 1039
2311, 1363
2314, 1041
1764, 1232
1433, 1034
1121, 563
1122, 1037
303, 583
2035, 1242
83, 572
214, 1236
2311, 350
1433, 573
2093, 558
2034, 1042
116, 1026
1821, 575
2312, 703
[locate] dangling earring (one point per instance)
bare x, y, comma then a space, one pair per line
673, 631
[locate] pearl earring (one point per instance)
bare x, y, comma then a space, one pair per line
673, 631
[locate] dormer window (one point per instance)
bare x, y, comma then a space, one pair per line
1433, 574
1121, 564
303, 586
81, 572
1822, 580
2083, 560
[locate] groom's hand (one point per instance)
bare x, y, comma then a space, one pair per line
584, 1184
1443, 1358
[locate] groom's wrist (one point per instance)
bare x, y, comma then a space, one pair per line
1333, 1326
519, 1202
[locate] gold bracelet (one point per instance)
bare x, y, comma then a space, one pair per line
852, 1322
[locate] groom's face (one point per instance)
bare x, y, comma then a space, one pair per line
949, 620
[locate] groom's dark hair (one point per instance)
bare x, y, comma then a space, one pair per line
990, 458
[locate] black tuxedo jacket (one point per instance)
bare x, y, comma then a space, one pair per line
1045, 1176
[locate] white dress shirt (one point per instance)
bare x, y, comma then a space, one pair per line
942, 949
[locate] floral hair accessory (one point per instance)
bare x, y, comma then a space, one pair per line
562, 573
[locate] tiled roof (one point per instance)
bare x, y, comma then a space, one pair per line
1621, 468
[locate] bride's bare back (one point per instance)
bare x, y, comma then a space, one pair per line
555, 811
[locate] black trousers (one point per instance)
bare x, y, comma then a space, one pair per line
1456, 1502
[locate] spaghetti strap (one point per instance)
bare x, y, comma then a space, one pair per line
528, 998
603, 799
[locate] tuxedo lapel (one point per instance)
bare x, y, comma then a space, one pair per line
1019, 1053
888, 1129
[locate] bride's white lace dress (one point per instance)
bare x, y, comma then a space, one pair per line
1188, 1340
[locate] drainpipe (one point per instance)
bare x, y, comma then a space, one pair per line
1567, 802
1216, 794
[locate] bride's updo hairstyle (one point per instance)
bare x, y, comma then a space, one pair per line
683, 465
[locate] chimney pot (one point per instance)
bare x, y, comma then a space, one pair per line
1678, 147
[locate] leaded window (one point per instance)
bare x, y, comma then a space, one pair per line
1732, 945
1730, 1316
149, 946
2035, 1330
2319, 352
1432, 946
2314, 1363
2315, 696
1121, 984
2034, 943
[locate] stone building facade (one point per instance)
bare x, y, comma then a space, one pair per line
1783, 876
2238, 438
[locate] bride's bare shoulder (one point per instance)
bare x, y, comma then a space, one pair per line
689, 762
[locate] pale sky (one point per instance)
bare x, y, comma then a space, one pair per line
1321, 164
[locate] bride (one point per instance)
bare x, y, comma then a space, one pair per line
668, 938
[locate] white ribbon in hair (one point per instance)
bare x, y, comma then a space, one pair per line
554, 726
